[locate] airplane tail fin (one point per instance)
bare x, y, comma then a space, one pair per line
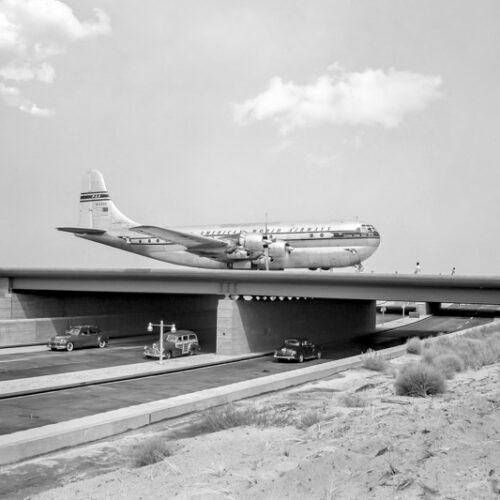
97, 211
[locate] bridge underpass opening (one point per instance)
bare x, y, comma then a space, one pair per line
223, 325
33, 317
260, 326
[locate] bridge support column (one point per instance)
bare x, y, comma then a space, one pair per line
5, 298
260, 326
430, 308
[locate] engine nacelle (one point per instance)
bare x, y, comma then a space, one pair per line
239, 253
260, 263
278, 249
253, 242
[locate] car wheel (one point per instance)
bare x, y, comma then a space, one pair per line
69, 346
318, 355
301, 358
103, 343
168, 355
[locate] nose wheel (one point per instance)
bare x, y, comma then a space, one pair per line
359, 268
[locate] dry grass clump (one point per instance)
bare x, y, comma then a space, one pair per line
414, 345
419, 380
229, 416
352, 400
150, 452
373, 360
309, 418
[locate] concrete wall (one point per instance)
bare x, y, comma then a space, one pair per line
31, 318
256, 326
5, 298
38, 331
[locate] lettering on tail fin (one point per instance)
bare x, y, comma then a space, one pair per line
97, 210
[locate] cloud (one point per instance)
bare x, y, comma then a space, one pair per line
31, 33
372, 97
13, 97
44, 73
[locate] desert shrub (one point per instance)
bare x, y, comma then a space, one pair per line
414, 345
428, 356
493, 342
150, 452
434, 350
373, 360
427, 343
444, 343
352, 400
448, 364
474, 352
419, 380
478, 347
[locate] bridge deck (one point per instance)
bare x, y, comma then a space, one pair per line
425, 288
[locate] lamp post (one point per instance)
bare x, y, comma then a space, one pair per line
161, 325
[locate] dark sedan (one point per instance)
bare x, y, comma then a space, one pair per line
297, 349
79, 336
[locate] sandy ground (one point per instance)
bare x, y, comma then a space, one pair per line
441, 447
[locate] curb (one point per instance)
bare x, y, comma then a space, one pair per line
32, 442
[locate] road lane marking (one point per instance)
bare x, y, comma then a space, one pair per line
123, 348
14, 360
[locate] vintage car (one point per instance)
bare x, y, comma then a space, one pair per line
174, 344
297, 349
79, 336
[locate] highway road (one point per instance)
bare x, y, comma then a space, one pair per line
47, 362
42, 409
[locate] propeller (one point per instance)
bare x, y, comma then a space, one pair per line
266, 245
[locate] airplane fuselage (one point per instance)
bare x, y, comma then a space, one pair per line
277, 245
313, 245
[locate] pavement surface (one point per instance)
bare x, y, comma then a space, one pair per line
45, 383
21, 378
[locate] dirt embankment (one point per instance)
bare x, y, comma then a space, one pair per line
352, 438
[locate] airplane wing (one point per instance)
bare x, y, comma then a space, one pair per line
81, 230
200, 245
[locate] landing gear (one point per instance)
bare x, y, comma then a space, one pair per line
359, 268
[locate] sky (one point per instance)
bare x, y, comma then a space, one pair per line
220, 111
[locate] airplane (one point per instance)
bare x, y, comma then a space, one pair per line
261, 246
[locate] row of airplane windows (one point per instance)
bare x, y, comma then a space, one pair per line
311, 235
279, 230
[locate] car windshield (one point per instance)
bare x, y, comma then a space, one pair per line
292, 342
72, 331
171, 338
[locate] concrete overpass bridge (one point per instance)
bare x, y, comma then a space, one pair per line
36, 303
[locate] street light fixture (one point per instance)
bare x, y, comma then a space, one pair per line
161, 324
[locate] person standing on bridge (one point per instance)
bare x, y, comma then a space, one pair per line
418, 269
